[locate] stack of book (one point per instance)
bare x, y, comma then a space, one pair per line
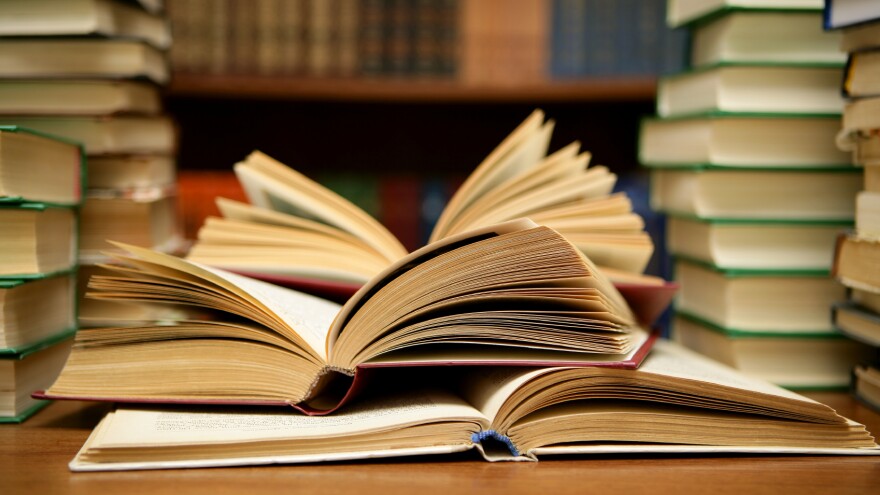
92, 71
40, 195
743, 161
857, 257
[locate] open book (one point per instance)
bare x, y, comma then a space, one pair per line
296, 231
514, 293
676, 402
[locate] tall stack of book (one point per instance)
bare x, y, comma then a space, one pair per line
857, 257
92, 71
743, 162
40, 194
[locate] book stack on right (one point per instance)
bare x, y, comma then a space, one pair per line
92, 71
857, 257
743, 162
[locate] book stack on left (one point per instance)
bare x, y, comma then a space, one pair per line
743, 161
857, 255
92, 71
40, 195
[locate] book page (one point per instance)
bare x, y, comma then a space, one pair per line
310, 316
307, 316
158, 427
670, 359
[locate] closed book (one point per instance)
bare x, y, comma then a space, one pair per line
36, 167
23, 372
725, 193
106, 18
765, 37
742, 140
795, 361
81, 58
33, 310
38, 240
78, 97
770, 301
681, 12
751, 89
754, 244
107, 135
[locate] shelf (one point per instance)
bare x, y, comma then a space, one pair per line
409, 90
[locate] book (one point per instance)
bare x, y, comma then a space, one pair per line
868, 213
129, 172
514, 293
681, 12
866, 152
37, 240
761, 301
751, 89
296, 227
107, 18
868, 299
773, 141
843, 13
27, 370
765, 37
857, 322
120, 134
81, 58
39, 168
754, 244
860, 37
723, 193
861, 73
866, 386
78, 97
144, 218
573, 411
857, 261
32, 310
860, 118
94, 313
860, 135
805, 362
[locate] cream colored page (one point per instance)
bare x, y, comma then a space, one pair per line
488, 390
670, 359
309, 316
145, 427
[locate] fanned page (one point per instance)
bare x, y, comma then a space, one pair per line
524, 147
676, 397
251, 239
426, 422
272, 185
515, 285
298, 231
298, 315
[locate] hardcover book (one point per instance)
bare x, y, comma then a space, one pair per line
676, 402
514, 293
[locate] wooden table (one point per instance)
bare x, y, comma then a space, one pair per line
34, 457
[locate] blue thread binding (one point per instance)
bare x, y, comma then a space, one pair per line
479, 436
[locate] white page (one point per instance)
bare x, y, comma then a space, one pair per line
157, 427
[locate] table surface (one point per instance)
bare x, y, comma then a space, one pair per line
34, 457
